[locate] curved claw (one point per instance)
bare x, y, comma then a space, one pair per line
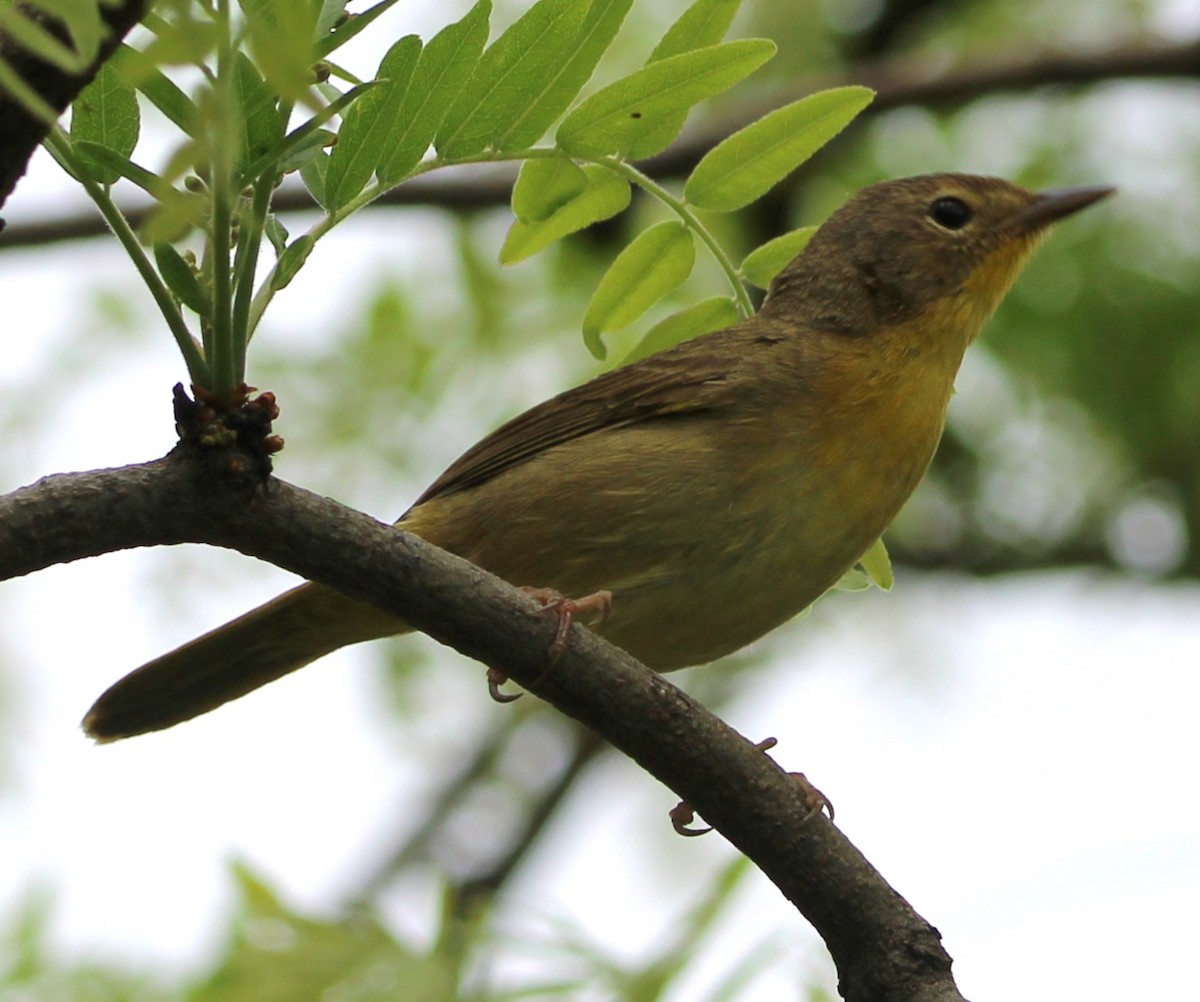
681, 816
814, 799
495, 679
598, 605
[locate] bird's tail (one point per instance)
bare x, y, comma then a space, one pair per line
267, 643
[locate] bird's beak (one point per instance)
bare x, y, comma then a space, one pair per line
1051, 206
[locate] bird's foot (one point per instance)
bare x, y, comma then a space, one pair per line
682, 814
597, 605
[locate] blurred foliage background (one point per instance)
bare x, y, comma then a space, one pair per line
1073, 441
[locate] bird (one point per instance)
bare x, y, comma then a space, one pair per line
707, 493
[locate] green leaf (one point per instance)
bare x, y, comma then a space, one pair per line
606, 194
116, 165
181, 279
446, 63
753, 160
878, 565
639, 114
654, 263
704, 317
313, 176
160, 90
290, 262
363, 135
276, 233
302, 151
703, 23
510, 77
261, 124
106, 113
345, 31
545, 186
558, 90
763, 263
301, 137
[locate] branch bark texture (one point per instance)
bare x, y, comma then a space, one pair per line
882, 948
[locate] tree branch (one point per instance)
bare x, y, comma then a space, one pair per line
23, 131
882, 948
898, 83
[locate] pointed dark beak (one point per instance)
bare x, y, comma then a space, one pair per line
1057, 203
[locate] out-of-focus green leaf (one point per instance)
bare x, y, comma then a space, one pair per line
174, 217
639, 114
446, 63
106, 113
653, 264
753, 160
34, 37
81, 18
277, 954
510, 77
282, 34
544, 186
704, 317
186, 38
763, 263
605, 195
363, 136
703, 23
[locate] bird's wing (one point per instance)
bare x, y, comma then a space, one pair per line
692, 377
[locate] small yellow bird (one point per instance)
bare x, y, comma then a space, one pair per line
716, 489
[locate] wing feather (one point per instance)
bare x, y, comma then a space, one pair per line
688, 378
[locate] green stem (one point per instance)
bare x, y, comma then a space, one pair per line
224, 356
684, 211
249, 242
198, 368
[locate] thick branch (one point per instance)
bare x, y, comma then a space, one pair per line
882, 948
21, 131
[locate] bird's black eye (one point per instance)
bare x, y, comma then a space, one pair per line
951, 213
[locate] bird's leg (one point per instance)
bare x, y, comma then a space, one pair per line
598, 605
682, 814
